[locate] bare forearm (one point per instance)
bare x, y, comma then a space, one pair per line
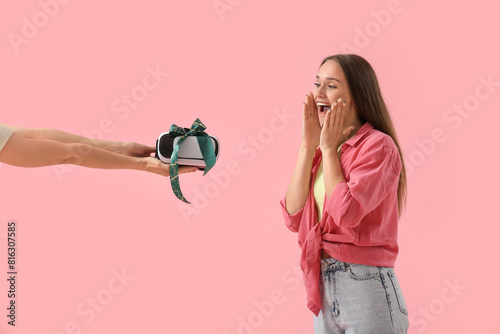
332, 171
95, 157
65, 137
298, 188
24, 152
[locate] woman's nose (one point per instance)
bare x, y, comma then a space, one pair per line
320, 92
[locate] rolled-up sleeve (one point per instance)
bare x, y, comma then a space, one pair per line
291, 221
5, 134
373, 176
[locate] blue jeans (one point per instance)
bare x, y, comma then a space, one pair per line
360, 299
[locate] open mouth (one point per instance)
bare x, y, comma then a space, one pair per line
323, 107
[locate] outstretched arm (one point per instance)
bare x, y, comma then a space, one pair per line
25, 152
126, 148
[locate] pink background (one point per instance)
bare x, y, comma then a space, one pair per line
228, 264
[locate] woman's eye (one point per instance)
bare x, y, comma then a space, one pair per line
330, 86
316, 84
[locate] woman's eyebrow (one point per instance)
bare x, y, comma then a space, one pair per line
329, 78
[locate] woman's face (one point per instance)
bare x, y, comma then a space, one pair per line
330, 86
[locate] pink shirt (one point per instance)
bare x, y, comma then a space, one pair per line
360, 218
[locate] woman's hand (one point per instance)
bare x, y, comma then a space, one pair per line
154, 165
333, 133
311, 129
136, 150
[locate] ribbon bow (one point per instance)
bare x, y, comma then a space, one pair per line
206, 147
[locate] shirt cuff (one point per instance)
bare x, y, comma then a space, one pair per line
291, 221
339, 206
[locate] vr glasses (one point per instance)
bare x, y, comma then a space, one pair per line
189, 150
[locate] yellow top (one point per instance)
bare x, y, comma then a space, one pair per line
319, 188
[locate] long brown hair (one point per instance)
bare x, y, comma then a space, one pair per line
370, 106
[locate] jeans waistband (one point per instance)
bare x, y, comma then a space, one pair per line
333, 264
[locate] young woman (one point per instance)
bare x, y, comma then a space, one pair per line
344, 200
45, 147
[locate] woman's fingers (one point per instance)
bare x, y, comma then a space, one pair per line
326, 121
310, 107
137, 150
340, 121
146, 151
340, 107
187, 169
335, 115
347, 132
313, 109
308, 104
306, 107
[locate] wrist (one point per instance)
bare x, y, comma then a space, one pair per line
141, 163
328, 151
308, 148
330, 156
329, 148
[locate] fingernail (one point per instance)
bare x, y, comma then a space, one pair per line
335, 103
340, 99
344, 102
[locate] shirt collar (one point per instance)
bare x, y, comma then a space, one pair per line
360, 134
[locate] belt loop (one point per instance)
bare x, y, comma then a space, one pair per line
343, 265
323, 265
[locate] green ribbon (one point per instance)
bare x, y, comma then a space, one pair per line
206, 147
